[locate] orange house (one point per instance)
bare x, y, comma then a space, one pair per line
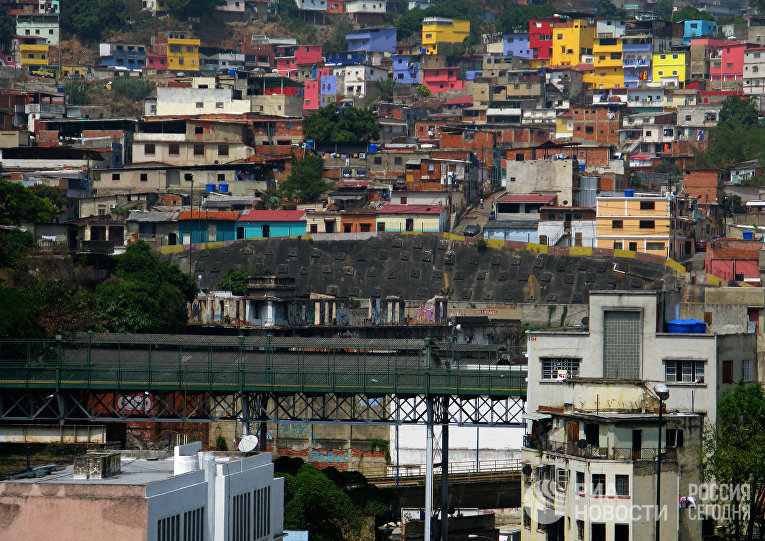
358, 221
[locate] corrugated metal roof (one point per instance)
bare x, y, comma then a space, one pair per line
223, 215
151, 216
272, 216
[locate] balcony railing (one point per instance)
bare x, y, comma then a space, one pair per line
595, 452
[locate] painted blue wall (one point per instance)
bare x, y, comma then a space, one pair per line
224, 230
254, 230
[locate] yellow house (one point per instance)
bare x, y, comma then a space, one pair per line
571, 40
642, 224
437, 30
34, 55
183, 54
607, 58
669, 68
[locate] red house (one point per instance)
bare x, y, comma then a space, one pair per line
156, 61
310, 95
737, 260
308, 54
540, 37
442, 79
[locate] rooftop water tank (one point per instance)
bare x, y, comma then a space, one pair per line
210, 187
748, 235
223, 187
372, 148
686, 326
629, 192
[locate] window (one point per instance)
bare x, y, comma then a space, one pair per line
552, 367
144, 177
580, 530
561, 478
198, 130
579, 482
589, 129
684, 371
746, 370
402, 201
194, 524
377, 160
219, 105
199, 150
527, 518
200, 105
647, 224
174, 149
221, 177
622, 332
621, 532
622, 483
222, 150
598, 484
241, 517
618, 245
381, 226
654, 246
647, 205
397, 160
674, 437
469, 136
519, 157
148, 149
169, 528
617, 224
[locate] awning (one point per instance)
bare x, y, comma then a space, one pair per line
536, 416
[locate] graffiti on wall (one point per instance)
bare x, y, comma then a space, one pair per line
337, 456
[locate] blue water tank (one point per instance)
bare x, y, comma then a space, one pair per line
629, 192
232, 72
582, 166
748, 235
686, 326
60, 89
210, 187
223, 187
372, 148
309, 144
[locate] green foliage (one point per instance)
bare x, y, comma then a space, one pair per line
354, 303
92, 20
304, 182
388, 88
733, 452
290, 16
333, 124
220, 443
482, 245
608, 10
183, 9
662, 10
737, 111
316, 504
378, 444
338, 42
7, 31
690, 13
19, 204
79, 92
18, 316
423, 91
131, 88
738, 136
14, 245
235, 280
516, 18
732, 204
144, 294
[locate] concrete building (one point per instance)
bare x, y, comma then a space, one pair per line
567, 226
194, 496
697, 29
381, 40
571, 40
754, 71
40, 25
440, 30
669, 69
593, 410
124, 55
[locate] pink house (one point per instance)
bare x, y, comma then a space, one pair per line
728, 260
442, 79
156, 61
726, 58
310, 95
308, 54
286, 66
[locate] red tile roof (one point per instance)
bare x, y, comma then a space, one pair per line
208, 215
272, 216
526, 198
410, 209
462, 100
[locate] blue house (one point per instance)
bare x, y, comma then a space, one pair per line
698, 29
262, 224
327, 89
123, 55
206, 226
516, 45
382, 40
346, 58
406, 69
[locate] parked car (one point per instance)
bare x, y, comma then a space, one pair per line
701, 245
471, 230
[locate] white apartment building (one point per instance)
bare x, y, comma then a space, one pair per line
754, 72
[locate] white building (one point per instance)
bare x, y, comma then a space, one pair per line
193, 496
754, 72
356, 79
366, 6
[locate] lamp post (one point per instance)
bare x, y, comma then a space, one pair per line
662, 391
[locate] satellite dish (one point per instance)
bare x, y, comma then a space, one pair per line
248, 443
526, 469
582, 444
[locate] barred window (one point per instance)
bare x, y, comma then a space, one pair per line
622, 485
599, 484
621, 344
241, 519
169, 528
194, 525
551, 366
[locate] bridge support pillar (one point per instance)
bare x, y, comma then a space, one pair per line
428, 470
445, 472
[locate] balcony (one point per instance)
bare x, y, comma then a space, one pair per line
598, 453
636, 61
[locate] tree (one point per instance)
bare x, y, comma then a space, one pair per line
662, 10
738, 112
388, 88
410, 23
604, 8
14, 245
690, 13
235, 279
18, 316
144, 294
338, 43
733, 453
7, 31
316, 504
183, 9
304, 182
516, 18
131, 88
333, 124
423, 91
19, 204
91, 20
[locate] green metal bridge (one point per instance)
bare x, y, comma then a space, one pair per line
265, 379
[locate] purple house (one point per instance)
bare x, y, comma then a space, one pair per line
516, 45
382, 40
406, 69
327, 89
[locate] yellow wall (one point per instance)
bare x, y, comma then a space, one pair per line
397, 222
670, 66
434, 33
185, 59
569, 40
630, 236
608, 72
31, 55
